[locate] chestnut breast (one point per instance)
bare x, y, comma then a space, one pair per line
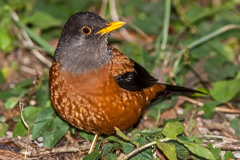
94, 102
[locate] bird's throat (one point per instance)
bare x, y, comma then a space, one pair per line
77, 62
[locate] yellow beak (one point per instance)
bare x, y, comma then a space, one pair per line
111, 26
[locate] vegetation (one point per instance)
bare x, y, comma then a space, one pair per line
188, 43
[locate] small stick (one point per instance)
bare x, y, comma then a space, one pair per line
115, 17
103, 8
93, 143
29, 44
191, 101
21, 105
221, 109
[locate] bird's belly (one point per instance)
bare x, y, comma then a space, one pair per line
96, 107
100, 111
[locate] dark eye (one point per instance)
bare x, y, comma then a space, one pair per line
86, 30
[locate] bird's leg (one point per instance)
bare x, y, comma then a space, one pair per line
93, 143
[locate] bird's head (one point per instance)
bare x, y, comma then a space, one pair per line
83, 43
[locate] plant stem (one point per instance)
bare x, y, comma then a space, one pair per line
166, 24
166, 21
143, 148
201, 41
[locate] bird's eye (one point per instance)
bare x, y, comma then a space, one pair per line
86, 30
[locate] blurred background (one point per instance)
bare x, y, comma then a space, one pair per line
190, 43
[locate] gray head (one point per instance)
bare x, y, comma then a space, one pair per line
83, 43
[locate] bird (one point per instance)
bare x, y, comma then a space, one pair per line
93, 86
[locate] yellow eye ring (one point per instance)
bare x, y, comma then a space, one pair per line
86, 30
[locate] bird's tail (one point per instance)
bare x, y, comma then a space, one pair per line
177, 89
170, 90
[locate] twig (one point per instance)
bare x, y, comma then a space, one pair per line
191, 101
229, 143
171, 75
28, 43
113, 10
28, 70
37, 151
217, 109
143, 148
21, 105
230, 105
227, 146
115, 17
103, 8
221, 109
219, 137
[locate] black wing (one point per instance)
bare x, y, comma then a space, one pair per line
137, 80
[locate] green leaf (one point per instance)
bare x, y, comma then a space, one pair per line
172, 129
144, 155
197, 149
42, 20
238, 75
18, 91
168, 149
20, 130
187, 109
11, 102
123, 136
209, 109
219, 68
224, 91
42, 122
215, 151
5, 41
140, 141
235, 124
115, 139
57, 129
128, 147
3, 129
106, 149
2, 77
192, 139
86, 135
194, 157
50, 126
30, 113
111, 156
156, 109
165, 121
228, 155
181, 151
152, 133
95, 153
42, 95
